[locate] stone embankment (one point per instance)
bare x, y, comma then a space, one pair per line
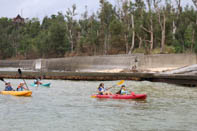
114, 67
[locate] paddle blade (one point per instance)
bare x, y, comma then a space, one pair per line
121, 82
93, 96
19, 71
1, 79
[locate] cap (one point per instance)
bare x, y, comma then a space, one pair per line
7, 82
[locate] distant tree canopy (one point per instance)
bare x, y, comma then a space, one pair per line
130, 26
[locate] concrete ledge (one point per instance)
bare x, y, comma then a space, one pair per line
188, 80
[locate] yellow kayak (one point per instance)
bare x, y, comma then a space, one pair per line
17, 93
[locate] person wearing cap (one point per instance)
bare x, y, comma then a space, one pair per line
21, 87
8, 86
123, 90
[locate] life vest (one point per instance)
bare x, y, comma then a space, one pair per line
123, 92
20, 88
8, 88
101, 89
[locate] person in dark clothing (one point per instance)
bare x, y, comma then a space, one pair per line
8, 87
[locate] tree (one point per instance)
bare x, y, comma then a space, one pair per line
6, 48
162, 22
106, 16
93, 33
139, 20
195, 2
116, 31
71, 23
188, 35
150, 23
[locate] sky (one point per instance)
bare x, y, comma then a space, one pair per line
41, 8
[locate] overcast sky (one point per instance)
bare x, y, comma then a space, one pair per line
41, 8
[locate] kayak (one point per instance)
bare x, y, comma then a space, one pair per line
118, 96
17, 93
43, 85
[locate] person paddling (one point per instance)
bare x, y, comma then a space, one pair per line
123, 90
8, 86
37, 81
21, 87
102, 90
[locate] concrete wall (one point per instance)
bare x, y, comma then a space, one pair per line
166, 60
100, 63
26, 64
90, 63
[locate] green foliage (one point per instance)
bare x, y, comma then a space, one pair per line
109, 31
167, 50
195, 48
139, 50
116, 31
188, 36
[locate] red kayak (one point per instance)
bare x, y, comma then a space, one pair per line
118, 96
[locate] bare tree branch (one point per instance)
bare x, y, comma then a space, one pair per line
145, 29
195, 2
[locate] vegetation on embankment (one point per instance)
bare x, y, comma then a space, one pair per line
135, 26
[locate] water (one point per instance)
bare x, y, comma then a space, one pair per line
67, 105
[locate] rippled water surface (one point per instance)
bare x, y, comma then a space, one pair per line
67, 105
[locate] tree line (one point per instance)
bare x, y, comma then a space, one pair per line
129, 26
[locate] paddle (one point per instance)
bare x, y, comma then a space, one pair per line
20, 72
119, 83
2, 80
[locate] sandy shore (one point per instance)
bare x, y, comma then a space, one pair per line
148, 70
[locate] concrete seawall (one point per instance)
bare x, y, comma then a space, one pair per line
186, 80
104, 63
167, 60
104, 68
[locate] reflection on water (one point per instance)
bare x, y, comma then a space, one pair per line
67, 105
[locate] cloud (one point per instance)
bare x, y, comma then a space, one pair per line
41, 8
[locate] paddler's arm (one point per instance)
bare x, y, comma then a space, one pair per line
109, 88
25, 88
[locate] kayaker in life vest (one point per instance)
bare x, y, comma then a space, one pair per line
102, 90
21, 87
37, 82
8, 87
123, 90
